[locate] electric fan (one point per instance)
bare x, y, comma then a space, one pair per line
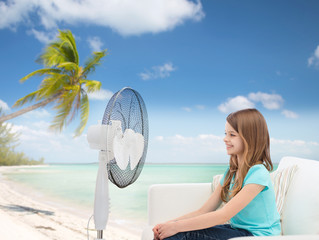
122, 139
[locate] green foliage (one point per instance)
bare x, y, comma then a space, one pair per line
65, 82
8, 142
8, 138
9, 158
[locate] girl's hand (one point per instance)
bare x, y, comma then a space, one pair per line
155, 231
164, 230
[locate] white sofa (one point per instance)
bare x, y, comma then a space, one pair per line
300, 213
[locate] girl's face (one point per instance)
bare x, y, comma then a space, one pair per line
234, 143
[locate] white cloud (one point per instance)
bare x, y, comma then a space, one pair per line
211, 148
214, 142
125, 17
103, 94
289, 114
181, 140
179, 148
200, 107
95, 44
37, 141
4, 105
187, 109
235, 104
314, 59
13, 12
314, 144
159, 138
269, 101
43, 37
37, 113
298, 148
29, 134
158, 72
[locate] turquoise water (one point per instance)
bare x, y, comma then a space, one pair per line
76, 184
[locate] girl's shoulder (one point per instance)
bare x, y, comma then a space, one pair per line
258, 167
257, 171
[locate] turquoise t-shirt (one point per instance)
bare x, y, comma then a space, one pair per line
260, 216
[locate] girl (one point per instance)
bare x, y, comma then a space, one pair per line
246, 188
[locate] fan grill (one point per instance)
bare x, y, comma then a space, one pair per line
127, 106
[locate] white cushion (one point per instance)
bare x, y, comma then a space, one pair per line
169, 201
281, 179
300, 213
216, 181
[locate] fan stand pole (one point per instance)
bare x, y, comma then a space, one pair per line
101, 200
99, 234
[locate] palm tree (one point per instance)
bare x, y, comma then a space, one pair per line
65, 83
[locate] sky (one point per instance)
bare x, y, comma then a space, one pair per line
193, 62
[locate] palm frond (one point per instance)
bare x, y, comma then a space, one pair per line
76, 102
64, 107
69, 66
91, 85
93, 61
85, 107
52, 85
40, 72
63, 49
68, 46
28, 98
51, 56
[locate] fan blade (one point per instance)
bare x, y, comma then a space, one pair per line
121, 152
119, 148
135, 143
114, 130
128, 146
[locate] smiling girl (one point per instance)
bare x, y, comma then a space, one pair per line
245, 187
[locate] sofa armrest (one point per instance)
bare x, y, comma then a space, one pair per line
168, 201
300, 214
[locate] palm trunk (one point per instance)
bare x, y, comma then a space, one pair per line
28, 109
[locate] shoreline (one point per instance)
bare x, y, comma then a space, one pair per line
28, 214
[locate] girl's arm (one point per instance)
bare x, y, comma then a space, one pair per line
209, 219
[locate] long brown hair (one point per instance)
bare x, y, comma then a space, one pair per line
252, 128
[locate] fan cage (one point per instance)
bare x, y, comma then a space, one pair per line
127, 106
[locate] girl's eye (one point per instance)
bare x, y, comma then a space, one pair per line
231, 134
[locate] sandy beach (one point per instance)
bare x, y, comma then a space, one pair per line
27, 215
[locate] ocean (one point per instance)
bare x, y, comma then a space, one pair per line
74, 184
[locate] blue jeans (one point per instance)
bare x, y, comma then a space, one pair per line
219, 232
